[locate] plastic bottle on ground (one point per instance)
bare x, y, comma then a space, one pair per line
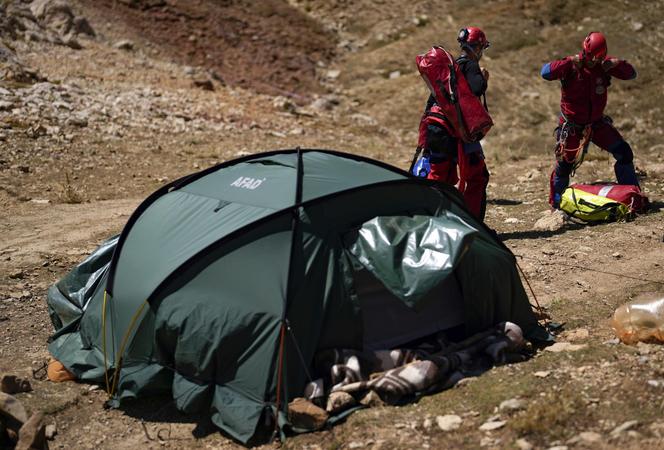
640, 320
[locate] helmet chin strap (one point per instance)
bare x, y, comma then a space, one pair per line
468, 50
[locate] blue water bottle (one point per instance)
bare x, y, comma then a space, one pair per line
422, 167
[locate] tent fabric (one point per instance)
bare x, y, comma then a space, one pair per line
224, 285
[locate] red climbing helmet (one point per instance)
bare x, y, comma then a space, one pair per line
473, 37
594, 46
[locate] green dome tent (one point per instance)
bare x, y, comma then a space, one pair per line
224, 285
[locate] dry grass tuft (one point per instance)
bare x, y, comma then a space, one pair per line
549, 415
69, 193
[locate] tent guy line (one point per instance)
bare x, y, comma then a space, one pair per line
645, 280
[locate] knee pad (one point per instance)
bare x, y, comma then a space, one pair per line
622, 152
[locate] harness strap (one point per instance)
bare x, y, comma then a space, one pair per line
436, 115
579, 152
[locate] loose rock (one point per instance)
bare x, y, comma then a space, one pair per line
448, 422
513, 404
551, 221
590, 437
624, 427
203, 83
124, 44
51, 431
77, 121
283, 104
372, 399
326, 103
11, 384
333, 74
304, 414
565, 347
492, 425
17, 275
576, 335
523, 444
339, 401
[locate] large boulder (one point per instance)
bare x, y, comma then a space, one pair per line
12, 69
57, 16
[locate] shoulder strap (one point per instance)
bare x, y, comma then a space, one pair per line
436, 115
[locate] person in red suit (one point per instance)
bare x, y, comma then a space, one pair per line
439, 140
585, 79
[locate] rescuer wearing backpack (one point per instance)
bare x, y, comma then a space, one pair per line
585, 79
440, 141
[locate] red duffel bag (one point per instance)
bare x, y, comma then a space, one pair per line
626, 194
466, 114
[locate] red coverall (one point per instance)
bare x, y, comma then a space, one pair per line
446, 151
583, 99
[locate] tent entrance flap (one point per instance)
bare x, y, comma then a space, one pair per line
411, 255
388, 323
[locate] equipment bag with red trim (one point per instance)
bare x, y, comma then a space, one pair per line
626, 194
465, 113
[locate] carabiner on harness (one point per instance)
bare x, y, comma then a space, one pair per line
575, 156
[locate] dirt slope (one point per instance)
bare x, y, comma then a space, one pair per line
110, 125
267, 46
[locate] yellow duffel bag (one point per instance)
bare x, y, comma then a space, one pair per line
592, 208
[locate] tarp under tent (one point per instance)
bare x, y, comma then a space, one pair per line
224, 285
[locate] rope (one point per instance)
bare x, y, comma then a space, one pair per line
645, 280
583, 148
532, 291
579, 152
299, 352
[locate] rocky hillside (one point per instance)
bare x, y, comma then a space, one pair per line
103, 101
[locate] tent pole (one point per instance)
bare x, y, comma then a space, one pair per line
279, 373
295, 226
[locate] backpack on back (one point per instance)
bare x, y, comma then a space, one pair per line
464, 112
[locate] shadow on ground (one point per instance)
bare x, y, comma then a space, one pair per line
504, 202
